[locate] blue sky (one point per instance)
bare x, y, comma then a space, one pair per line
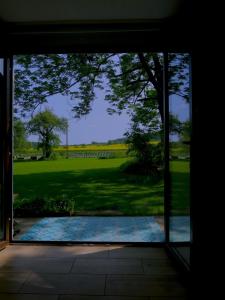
97, 126
178, 106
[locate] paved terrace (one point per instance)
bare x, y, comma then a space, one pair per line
102, 229
29, 272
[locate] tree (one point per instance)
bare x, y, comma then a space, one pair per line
185, 133
46, 125
19, 136
132, 79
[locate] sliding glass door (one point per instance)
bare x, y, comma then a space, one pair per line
179, 116
179, 89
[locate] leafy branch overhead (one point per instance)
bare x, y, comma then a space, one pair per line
133, 81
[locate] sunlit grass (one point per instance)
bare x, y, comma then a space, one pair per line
90, 184
93, 184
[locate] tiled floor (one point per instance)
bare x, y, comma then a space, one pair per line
88, 272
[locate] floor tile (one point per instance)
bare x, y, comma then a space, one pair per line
169, 298
50, 265
133, 285
137, 252
76, 272
75, 251
12, 282
27, 297
65, 284
107, 266
67, 297
22, 251
158, 267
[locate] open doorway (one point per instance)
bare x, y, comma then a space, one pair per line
88, 147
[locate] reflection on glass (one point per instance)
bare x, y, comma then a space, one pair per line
1, 66
180, 126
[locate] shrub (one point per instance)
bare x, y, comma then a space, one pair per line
29, 207
138, 167
54, 156
57, 205
44, 206
148, 156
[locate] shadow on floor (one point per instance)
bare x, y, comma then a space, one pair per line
88, 272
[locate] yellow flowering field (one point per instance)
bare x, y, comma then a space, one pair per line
93, 147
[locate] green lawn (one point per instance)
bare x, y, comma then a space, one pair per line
87, 184
180, 187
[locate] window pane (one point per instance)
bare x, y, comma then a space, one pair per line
180, 126
106, 165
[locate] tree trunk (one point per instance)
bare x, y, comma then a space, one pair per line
158, 84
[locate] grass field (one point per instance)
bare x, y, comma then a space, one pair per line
180, 187
84, 185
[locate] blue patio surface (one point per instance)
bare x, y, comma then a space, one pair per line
180, 229
96, 229
107, 229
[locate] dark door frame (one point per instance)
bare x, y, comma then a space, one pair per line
6, 148
52, 40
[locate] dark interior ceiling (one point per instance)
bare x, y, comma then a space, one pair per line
46, 11
102, 25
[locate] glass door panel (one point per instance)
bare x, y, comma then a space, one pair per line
179, 146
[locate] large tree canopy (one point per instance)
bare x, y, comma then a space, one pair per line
132, 81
